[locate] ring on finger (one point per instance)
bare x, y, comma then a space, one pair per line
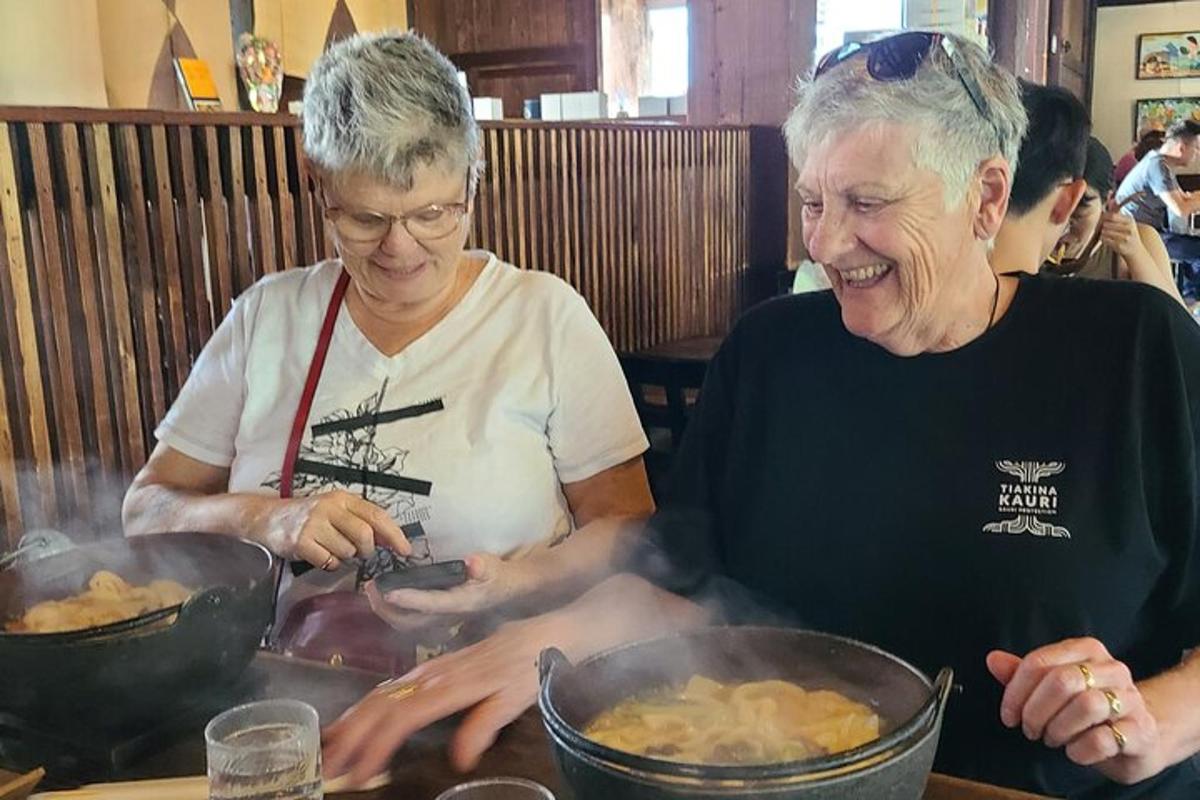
1089, 680
328, 563
1114, 703
1118, 737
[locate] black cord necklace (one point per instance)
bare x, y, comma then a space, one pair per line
995, 301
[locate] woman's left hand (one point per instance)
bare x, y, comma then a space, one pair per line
1120, 234
491, 581
1074, 694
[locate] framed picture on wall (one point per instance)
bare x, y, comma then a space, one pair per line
1169, 55
1160, 112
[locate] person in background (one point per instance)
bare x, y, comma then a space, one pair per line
1048, 181
1151, 192
1148, 139
1101, 242
408, 394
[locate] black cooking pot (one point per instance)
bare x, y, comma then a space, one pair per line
135, 670
894, 767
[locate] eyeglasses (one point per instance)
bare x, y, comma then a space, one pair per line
898, 57
429, 223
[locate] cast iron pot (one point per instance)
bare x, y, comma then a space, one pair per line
894, 767
135, 670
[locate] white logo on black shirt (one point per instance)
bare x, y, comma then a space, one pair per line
1029, 499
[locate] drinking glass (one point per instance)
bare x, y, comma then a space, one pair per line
497, 789
267, 749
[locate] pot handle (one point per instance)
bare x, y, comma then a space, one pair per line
942, 686
548, 660
50, 541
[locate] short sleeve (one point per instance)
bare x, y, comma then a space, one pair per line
203, 421
592, 424
1161, 179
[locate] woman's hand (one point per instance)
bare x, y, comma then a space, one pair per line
329, 528
1074, 694
497, 679
491, 581
1120, 234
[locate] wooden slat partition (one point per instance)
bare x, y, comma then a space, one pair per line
128, 234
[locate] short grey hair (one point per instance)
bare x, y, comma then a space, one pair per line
385, 103
953, 138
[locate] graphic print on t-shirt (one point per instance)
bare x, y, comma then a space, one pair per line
340, 453
1029, 498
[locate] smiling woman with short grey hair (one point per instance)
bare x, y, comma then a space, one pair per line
408, 394
906, 460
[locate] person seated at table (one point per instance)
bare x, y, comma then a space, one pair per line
1048, 181
1148, 139
408, 394
1103, 243
954, 503
1151, 192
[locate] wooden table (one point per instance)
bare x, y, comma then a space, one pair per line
421, 770
665, 379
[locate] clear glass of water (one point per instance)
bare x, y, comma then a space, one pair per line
497, 789
267, 750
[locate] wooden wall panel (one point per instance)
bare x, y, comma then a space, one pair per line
127, 235
516, 49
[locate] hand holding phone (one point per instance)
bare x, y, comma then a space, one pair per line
442, 575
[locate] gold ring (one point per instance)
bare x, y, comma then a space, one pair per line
329, 561
399, 689
1114, 703
1118, 737
1089, 680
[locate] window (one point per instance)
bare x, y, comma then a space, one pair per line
667, 31
839, 22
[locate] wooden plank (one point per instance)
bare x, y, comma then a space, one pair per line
286, 212
10, 493
216, 219
170, 282
142, 289
577, 209
191, 238
604, 231
264, 229
595, 231
546, 185
498, 244
483, 199
92, 305
52, 282
243, 266
115, 296
309, 223
521, 230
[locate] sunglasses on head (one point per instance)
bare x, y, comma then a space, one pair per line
898, 57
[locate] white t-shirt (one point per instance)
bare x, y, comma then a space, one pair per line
513, 392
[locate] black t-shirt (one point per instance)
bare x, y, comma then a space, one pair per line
1037, 484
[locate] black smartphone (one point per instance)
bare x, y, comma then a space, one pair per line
442, 575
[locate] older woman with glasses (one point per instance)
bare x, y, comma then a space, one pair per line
955, 504
408, 394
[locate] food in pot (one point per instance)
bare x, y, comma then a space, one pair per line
109, 598
758, 722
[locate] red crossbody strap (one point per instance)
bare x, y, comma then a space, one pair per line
310, 385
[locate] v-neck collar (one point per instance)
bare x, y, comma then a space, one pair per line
349, 332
